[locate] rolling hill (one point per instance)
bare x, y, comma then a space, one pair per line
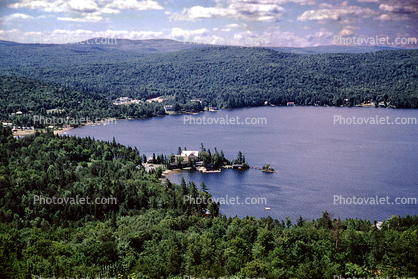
227, 77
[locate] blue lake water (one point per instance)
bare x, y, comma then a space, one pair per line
315, 158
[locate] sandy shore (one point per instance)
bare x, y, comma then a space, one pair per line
20, 133
62, 131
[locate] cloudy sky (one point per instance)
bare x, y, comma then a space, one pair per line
287, 23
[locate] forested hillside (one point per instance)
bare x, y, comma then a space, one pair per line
96, 50
151, 233
34, 97
231, 77
333, 49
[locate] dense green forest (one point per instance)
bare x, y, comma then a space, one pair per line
151, 233
232, 77
35, 98
104, 50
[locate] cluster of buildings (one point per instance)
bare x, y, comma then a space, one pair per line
168, 108
191, 159
16, 128
185, 159
126, 101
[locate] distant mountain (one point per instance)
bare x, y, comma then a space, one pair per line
96, 50
333, 49
134, 46
114, 44
232, 77
108, 50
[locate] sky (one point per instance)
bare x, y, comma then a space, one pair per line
272, 23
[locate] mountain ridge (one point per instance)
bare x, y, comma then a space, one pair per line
232, 77
168, 45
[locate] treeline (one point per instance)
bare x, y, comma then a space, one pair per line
232, 77
215, 160
38, 98
152, 233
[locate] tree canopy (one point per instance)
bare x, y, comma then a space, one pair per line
151, 233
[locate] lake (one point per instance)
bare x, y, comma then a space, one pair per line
321, 162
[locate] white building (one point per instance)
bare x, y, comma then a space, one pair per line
186, 154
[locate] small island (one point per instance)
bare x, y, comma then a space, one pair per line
267, 168
203, 160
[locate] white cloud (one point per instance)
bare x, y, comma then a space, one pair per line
240, 9
47, 6
188, 35
321, 14
233, 25
132, 35
289, 39
199, 12
237, 36
392, 17
336, 12
395, 10
203, 36
87, 6
9, 35
348, 21
325, 6
109, 11
215, 40
368, 1
135, 5
62, 36
265, 18
277, 2
84, 6
405, 8
17, 16
303, 2
323, 34
86, 18
346, 32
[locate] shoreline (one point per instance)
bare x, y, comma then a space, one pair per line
60, 131
108, 121
105, 122
63, 130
